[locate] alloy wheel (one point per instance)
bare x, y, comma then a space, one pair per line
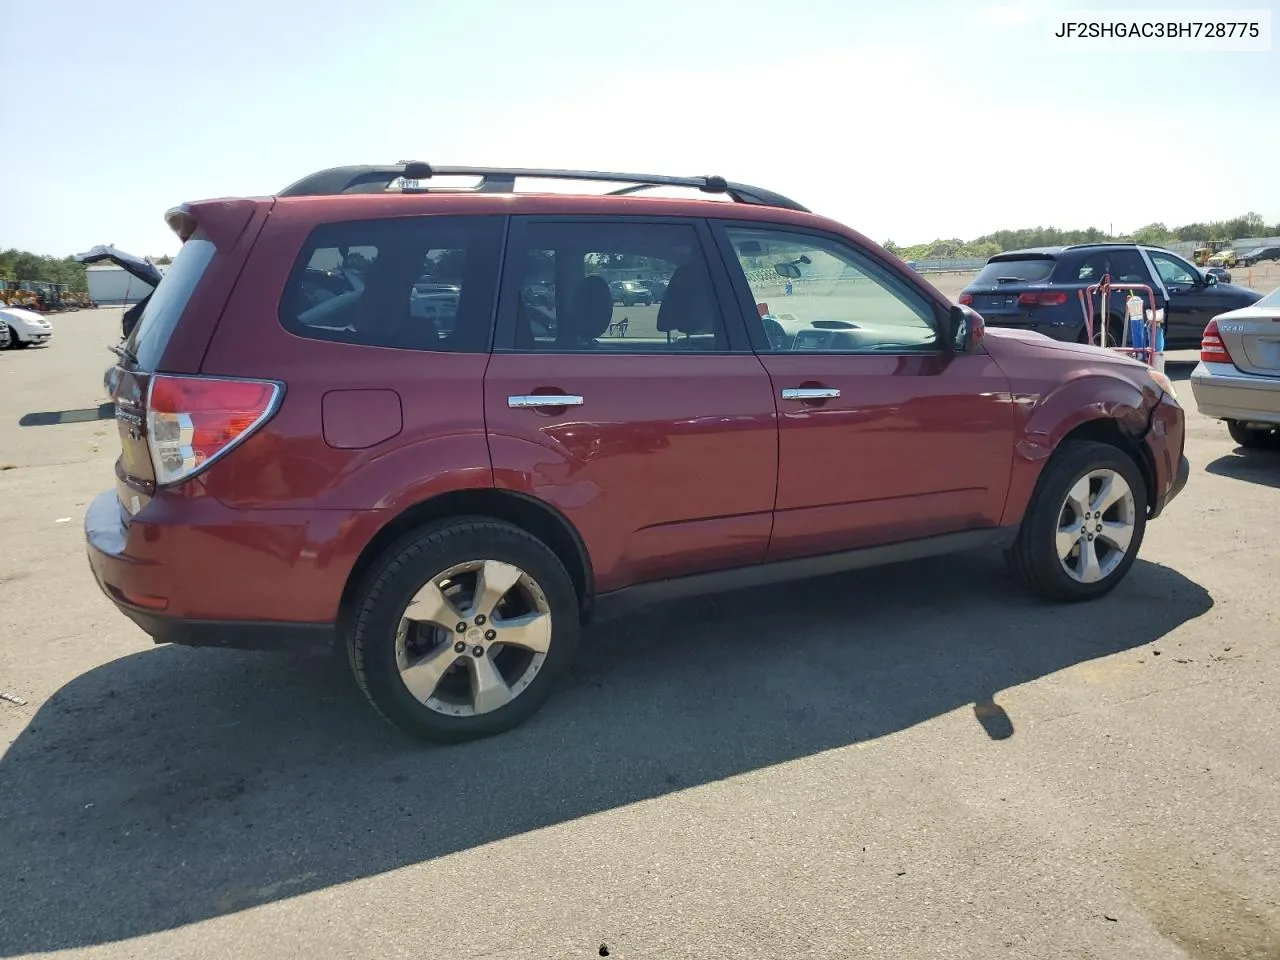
1096, 525
473, 638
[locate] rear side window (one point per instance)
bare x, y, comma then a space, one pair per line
611, 287
164, 307
1123, 266
414, 283
1028, 270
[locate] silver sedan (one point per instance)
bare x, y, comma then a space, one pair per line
1238, 377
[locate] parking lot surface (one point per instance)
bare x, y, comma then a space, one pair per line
918, 761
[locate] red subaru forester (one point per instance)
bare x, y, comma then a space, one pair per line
412, 419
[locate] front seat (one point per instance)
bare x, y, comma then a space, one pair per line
687, 304
591, 310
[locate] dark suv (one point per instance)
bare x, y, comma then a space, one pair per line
307, 458
1040, 289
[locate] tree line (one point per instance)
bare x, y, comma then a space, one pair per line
24, 265
1156, 234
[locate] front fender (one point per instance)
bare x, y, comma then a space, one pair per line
1049, 419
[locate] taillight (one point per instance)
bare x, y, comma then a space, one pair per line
191, 421
1042, 298
966, 299
1212, 349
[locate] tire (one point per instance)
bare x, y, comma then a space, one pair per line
448, 707
1039, 556
1254, 438
14, 342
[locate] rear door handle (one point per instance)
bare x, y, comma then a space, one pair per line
536, 400
809, 393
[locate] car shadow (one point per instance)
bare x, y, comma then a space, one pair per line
48, 418
1252, 466
176, 785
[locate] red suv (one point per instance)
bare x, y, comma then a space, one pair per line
413, 420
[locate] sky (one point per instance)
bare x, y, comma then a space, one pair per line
906, 120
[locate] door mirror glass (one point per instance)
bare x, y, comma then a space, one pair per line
967, 329
1210, 279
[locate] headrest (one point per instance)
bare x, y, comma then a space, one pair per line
591, 308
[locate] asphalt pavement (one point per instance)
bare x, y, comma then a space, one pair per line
917, 761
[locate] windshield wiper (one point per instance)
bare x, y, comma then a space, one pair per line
123, 352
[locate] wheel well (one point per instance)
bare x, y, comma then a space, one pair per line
1108, 431
533, 516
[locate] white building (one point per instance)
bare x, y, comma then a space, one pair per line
109, 285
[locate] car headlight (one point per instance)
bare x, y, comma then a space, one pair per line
1164, 383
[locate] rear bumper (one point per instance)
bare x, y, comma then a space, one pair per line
208, 579
1225, 392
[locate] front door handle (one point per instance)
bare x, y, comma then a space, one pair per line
809, 393
536, 400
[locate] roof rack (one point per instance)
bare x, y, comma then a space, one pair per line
376, 179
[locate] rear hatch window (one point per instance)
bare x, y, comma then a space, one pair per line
1023, 270
145, 344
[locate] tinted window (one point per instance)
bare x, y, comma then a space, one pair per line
1030, 270
1123, 266
612, 286
422, 283
165, 304
815, 293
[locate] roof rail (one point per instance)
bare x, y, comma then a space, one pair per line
376, 179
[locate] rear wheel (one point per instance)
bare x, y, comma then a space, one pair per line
463, 629
1115, 332
1085, 523
1253, 437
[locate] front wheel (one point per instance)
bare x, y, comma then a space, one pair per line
463, 629
1085, 523
14, 342
1253, 437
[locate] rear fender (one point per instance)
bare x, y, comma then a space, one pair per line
1057, 414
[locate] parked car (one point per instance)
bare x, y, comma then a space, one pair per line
1039, 289
5, 338
1258, 254
630, 292
656, 289
1238, 377
1221, 274
25, 327
452, 507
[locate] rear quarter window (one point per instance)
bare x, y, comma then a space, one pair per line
149, 337
1029, 270
413, 283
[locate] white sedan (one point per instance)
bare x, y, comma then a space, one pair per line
25, 327
1238, 378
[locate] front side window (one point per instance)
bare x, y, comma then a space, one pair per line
612, 287
819, 294
1173, 270
421, 283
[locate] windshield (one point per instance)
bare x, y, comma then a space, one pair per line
1271, 300
1029, 270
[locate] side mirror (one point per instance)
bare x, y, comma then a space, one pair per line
788, 270
1210, 279
967, 329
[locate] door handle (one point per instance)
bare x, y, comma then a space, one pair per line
535, 400
809, 393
